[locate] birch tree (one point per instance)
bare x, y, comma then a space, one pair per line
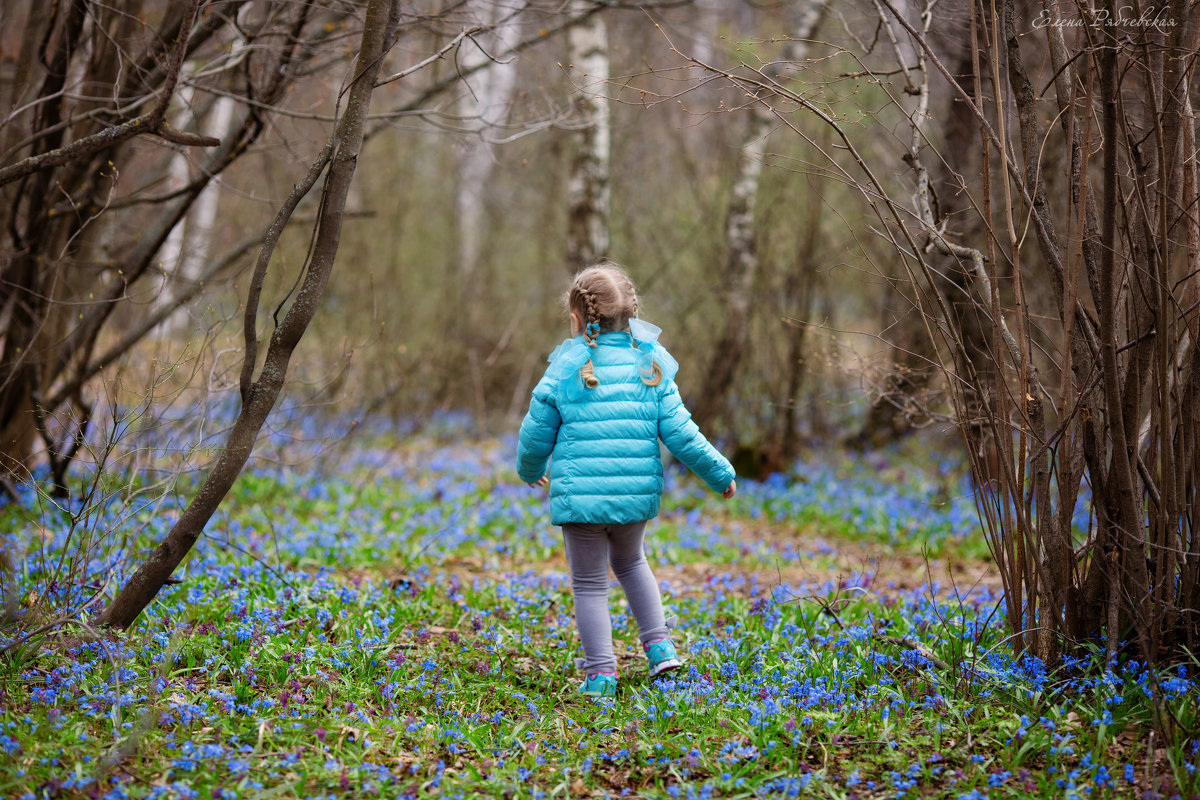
742, 261
485, 94
188, 248
588, 181
483, 106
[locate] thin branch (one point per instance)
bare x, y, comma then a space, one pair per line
153, 122
450, 45
253, 295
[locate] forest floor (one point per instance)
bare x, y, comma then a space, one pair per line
401, 625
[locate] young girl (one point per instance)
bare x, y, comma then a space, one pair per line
597, 415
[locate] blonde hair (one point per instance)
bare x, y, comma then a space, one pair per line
604, 298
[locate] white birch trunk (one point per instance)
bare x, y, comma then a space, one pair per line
706, 33
189, 246
742, 264
171, 251
482, 107
588, 184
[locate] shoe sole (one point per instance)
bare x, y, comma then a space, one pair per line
665, 666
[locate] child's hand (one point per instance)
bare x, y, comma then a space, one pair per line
542, 481
730, 490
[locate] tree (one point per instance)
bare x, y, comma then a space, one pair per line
483, 102
903, 395
741, 260
1082, 384
87, 144
1091, 376
244, 71
588, 182
337, 160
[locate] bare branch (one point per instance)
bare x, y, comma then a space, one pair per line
259, 400
446, 48
152, 122
254, 294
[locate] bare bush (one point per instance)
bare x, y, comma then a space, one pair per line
1058, 290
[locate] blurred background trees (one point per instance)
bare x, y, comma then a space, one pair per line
505, 157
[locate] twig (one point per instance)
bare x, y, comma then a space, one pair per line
913, 644
450, 45
152, 122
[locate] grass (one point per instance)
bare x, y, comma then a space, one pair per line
403, 627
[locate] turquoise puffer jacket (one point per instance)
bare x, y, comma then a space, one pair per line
602, 443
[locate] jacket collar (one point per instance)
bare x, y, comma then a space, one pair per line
614, 338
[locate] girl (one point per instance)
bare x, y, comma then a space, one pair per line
597, 414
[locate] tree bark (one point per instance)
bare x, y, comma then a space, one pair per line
742, 262
482, 107
260, 395
588, 186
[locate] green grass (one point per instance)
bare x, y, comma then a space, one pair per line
410, 634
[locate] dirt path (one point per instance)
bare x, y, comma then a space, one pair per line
881, 567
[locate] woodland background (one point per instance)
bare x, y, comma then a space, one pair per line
454, 253
849, 219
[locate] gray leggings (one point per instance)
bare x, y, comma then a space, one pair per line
590, 549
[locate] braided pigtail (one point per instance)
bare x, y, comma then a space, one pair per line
591, 318
590, 331
635, 308
656, 375
588, 373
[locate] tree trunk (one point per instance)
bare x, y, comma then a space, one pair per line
588, 184
742, 262
897, 401
898, 404
799, 295
259, 396
482, 106
188, 248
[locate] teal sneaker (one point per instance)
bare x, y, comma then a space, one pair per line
599, 684
661, 656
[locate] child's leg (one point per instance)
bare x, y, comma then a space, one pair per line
641, 588
587, 557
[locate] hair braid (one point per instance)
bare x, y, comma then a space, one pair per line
633, 307
593, 317
588, 373
656, 374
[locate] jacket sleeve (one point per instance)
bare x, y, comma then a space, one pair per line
539, 432
685, 441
